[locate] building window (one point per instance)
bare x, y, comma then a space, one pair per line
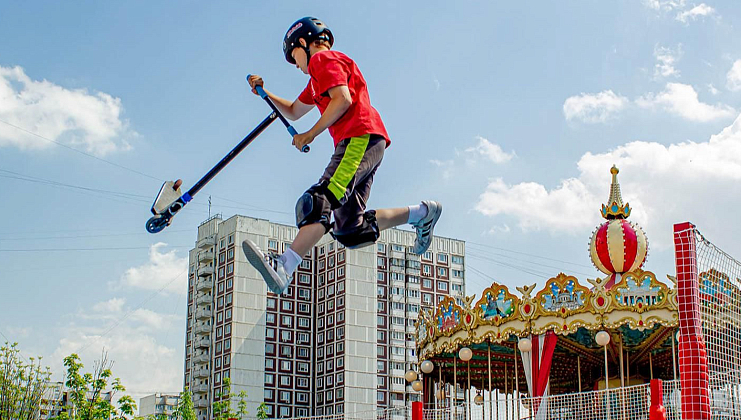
303, 322
287, 305
382, 248
302, 367
286, 351
270, 364
442, 285
285, 380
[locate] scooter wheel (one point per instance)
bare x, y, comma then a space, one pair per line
156, 224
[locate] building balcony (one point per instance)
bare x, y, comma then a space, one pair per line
201, 373
202, 328
204, 300
203, 285
203, 314
204, 342
205, 271
201, 358
201, 404
205, 257
206, 242
200, 389
397, 388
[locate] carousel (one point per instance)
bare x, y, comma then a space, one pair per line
569, 336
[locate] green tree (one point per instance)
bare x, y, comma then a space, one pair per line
223, 410
89, 395
184, 409
262, 411
22, 384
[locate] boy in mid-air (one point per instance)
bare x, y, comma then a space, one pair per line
338, 88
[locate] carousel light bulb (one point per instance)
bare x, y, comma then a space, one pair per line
465, 354
677, 336
525, 345
427, 366
479, 399
602, 338
410, 376
417, 385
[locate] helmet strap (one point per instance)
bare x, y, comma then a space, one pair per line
321, 37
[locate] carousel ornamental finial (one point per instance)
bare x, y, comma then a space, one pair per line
617, 245
615, 209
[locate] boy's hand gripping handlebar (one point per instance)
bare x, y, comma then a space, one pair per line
291, 130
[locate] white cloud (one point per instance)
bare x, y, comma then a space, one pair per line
701, 10
664, 5
164, 269
733, 78
142, 358
564, 208
594, 108
666, 59
664, 185
111, 306
78, 118
491, 151
682, 100
445, 166
712, 89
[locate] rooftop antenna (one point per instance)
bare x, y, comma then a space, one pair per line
209, 206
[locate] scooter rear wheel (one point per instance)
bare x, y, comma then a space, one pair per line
156, 224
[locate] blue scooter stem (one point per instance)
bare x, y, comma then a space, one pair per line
291, 130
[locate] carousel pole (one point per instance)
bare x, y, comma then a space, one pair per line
650, 365
488, 356
440, 387
622, 373
468, 391
622, 378
454, 394
578, 370
627, 365
517, 383
674, 358
506, 392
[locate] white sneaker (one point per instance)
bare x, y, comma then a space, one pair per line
426, 225
270, 267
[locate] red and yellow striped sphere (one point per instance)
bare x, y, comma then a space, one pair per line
618, 246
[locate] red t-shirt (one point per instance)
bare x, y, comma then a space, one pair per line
333, 68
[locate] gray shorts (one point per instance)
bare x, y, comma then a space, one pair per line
348, 179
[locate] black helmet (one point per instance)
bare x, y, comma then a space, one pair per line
308, 28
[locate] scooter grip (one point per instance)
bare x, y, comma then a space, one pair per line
259, 89
293, 132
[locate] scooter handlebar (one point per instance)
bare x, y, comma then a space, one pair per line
292, 131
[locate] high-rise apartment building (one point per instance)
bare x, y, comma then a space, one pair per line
159, 405
338, 341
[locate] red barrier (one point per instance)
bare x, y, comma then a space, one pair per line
657, 411
417, 413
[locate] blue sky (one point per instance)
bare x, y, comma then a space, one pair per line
510, 114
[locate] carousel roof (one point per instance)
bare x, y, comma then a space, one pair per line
639, 311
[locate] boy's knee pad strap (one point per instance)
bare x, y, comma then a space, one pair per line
365, 234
